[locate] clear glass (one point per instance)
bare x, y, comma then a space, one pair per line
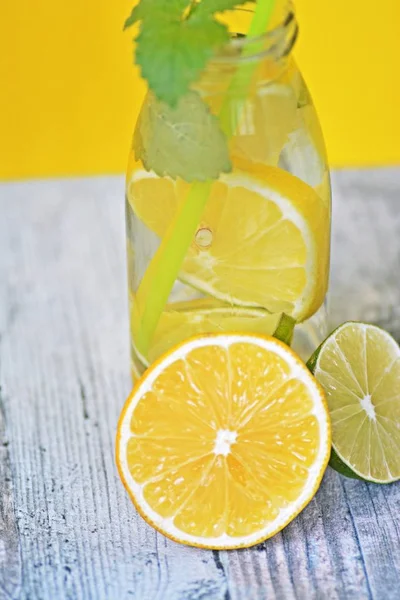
260, 246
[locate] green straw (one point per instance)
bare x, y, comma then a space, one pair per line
163, 270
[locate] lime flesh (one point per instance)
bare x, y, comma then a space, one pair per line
358, 366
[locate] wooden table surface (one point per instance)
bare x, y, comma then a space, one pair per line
67, 527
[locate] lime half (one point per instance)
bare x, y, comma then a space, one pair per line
358, 366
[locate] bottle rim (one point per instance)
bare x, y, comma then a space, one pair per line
275, 43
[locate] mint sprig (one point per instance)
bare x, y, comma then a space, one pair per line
176, 40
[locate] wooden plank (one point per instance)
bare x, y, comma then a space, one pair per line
366, 248
10, 559
10, 563
65, 363
64, 371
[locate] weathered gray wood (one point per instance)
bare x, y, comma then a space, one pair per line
10, 564
64, 374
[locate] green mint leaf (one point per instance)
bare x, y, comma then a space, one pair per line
185, 141
167, 10
177, 38
173, 55
133, 17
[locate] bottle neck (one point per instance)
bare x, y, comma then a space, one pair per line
276, 43
267, 54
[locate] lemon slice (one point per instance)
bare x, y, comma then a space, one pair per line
263, 240
224, 440
183, 320
264, 123
358, 365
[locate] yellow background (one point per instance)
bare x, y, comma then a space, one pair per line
69, 94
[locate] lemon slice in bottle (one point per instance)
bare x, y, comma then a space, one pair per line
263, 240
182, 320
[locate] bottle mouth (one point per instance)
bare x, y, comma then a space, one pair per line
275, 43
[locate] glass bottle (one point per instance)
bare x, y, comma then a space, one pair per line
228, 204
